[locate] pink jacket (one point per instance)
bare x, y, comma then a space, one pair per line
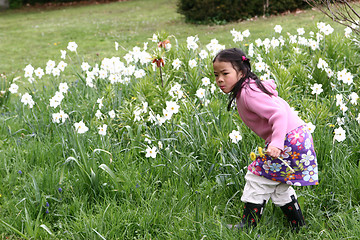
270, 117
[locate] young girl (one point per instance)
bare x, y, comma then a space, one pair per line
289, 157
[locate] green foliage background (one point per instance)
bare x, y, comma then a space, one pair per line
56, 184
220, 11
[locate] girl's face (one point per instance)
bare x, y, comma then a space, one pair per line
226, 75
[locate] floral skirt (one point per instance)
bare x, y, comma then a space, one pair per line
297, 164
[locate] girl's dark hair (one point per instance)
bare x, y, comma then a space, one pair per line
241, 63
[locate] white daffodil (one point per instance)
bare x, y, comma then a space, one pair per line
235, 136
300, 31
56, 100
340, 134
321, 26
172, 107
159, 119
329, 72
160, 144
213, 88
85, 66
112, 114
72, 46
176, 64
26, 99
314, 45
328, 30
322, 64
251, 51
274, 43
139, 73
348, 78
340, 121
144, 107
63, 87
56, 72
56, 118
238, 36
293, 39
13, 88
154, 38
339, 99
100, 102
310, 126
151, 152
200, 93
260, 66
191, 42
29, 70
205, 81
214, 47
89, 82
343, 108
137, 114
203, 54
258, 42
316, 89
62, 65
354, 98
192, 63
51, 64
278, 29
341, 74
39, 72
167, 114
102, 129
63, 116
98, 114
176, 91
347, 32
80, 127
246, 33
128, 58
63, 54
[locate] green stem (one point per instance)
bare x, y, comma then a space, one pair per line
13, 229
162, 82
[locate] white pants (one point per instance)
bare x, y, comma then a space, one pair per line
257, 189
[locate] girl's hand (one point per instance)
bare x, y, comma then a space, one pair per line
273, 152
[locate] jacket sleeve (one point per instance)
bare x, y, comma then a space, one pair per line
269, 108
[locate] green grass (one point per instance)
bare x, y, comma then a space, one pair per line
109, 189
35, 36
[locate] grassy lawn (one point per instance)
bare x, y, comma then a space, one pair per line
99, 181
36, 35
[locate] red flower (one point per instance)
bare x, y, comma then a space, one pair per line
163, 43
159, 62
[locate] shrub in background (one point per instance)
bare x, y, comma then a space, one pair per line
233, 10
15, 3
218, 10
280, 6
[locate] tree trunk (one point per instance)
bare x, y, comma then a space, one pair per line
4, 4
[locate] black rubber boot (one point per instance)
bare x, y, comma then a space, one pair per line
293, 214
252, 215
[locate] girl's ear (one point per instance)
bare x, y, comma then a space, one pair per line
240, 74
